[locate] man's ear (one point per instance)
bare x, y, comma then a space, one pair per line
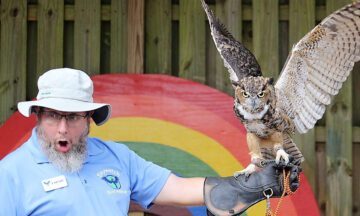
35, 109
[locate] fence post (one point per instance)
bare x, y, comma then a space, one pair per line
118, 38
50, 36
266, 34
87, 36
135, 63
192, 41
158, 37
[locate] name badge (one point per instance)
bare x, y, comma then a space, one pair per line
54, 183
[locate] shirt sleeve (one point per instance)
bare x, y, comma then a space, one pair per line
147, 179
8, 193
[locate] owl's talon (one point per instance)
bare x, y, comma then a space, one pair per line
282, 154
247, 171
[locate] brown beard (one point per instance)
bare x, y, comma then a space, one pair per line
70, 161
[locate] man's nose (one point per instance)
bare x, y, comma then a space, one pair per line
62, 126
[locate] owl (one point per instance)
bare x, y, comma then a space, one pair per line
314, 72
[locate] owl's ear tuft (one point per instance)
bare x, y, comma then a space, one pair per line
271, 81
234, 84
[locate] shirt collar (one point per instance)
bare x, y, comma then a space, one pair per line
93, 149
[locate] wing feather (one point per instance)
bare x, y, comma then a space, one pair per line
315, 92
318, 65
239, 61
315, 110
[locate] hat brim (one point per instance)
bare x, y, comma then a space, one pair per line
101, 114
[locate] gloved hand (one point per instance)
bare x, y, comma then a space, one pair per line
232, 196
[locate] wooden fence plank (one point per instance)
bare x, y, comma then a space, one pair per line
69, 44
49, 35
339, 144
356, 180
13, 56
31, 56
283, 42
211, 54
230, 14
356, 91
175, 47
210, 59
321, 177
158, 36
307, 145
192, 41
247, 36
87, 36
222, 80
266, 33
118, 38
301, 21
135, 29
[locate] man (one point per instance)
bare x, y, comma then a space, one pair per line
62, 171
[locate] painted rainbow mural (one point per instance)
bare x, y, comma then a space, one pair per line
185, 126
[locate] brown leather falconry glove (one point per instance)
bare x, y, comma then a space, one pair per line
232, 196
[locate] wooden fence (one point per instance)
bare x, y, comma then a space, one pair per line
172, 37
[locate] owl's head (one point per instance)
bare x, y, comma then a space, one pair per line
254, 93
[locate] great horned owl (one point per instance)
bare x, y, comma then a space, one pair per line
315, 70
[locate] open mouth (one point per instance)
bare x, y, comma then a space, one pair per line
63, 143
63, 146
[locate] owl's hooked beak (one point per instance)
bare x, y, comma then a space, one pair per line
253, 104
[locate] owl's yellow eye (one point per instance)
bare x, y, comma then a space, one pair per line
261, 94
245, 94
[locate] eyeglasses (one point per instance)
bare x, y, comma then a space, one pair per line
54, 117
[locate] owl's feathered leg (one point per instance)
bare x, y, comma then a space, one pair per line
283, 123
288, 146
253, 142
276, 142
291, 148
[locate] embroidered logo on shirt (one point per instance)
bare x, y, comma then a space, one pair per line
113, 181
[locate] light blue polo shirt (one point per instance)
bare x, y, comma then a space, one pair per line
111, 175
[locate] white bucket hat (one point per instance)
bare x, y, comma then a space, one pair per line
67, 90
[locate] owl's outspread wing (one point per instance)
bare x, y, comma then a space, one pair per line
239, 61
318, 65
